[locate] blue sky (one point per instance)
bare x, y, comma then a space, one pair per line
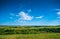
29, 12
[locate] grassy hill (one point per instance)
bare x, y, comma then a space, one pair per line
29, 32
28, 29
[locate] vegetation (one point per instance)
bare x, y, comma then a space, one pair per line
29, 32
32, 36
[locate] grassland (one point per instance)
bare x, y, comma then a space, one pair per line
31, 32
32, 36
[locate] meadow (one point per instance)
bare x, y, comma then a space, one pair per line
29, 32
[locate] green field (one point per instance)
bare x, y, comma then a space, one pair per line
32, 36
29, 32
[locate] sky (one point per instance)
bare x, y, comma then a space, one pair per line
29, 12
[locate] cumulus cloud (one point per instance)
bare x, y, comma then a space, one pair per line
25, 16
40, 17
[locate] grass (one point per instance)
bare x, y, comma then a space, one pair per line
31, 32
32, 36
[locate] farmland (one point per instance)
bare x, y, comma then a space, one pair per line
29, 32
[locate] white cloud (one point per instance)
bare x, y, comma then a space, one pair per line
40, 17
25, 16
58, 13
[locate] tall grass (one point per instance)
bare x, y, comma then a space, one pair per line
32, 36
